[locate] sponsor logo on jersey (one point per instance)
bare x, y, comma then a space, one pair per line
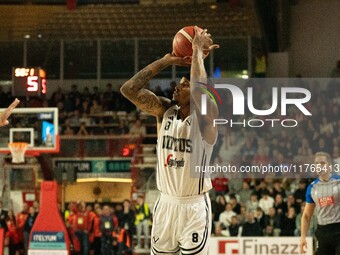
176, 144
326, 201
174, 162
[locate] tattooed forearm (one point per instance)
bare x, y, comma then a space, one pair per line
139, 80
143, 98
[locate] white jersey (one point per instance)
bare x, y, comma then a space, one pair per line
180, 148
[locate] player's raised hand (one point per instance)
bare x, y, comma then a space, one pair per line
203, 41
7, 112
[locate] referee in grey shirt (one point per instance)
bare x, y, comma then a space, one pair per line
323, 194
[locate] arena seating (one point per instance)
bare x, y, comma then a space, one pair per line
123, 21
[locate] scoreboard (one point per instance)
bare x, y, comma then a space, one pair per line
28, 81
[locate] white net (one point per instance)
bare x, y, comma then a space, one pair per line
18, 152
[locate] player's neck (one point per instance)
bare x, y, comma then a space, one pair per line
184, 112
326, 177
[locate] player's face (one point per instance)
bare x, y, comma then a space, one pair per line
323, 167
182, 92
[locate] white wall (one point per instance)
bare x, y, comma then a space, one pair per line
314, 37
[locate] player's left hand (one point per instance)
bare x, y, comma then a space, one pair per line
203, 41
7, 112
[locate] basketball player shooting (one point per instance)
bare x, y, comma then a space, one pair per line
182, 214
7, 112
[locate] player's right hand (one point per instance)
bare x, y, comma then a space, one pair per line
303, 245
178, 61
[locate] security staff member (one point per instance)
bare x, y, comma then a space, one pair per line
323, 194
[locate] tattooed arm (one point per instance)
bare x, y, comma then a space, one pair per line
143, 98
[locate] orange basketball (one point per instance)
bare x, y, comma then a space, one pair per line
182, 42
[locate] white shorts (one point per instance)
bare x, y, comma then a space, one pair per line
181, 225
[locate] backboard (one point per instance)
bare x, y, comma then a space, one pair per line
36, 126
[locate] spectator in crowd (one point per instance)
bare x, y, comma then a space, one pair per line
96, 233
137, 130
291, 203
96, 108
20, 221
78, 105
288, 223
142, 222
235, 185
107, 225
85, 106
245, 193
82, 130
253, 203
82, 225
86, 94
300, 192
36, 206
108, 98
234, 228
279, 205
266, 201
242, 216
262, 188
68, 104
226, 215
74, 93
260, 64
220, 207
219, 231
278, 189
73, 120
96, 95
57, 96
220, 184
234, 204
273, 220
260, 217
31, 217
126, 219
251, 227
268, 231
12, 235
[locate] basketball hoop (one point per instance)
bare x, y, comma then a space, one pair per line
18, 151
